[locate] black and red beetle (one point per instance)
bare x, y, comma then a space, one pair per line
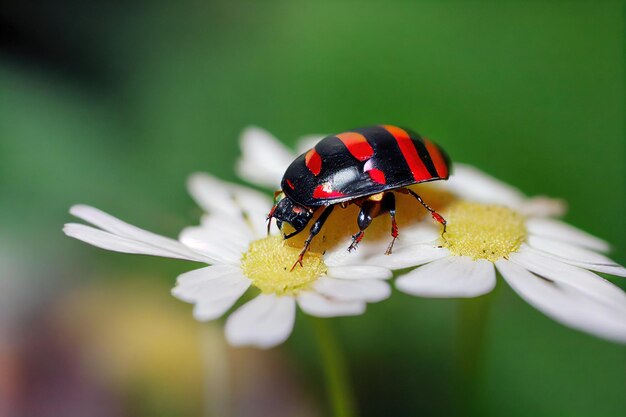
363, 166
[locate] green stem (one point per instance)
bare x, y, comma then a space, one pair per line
335, 370
472, 319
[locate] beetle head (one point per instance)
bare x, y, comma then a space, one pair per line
287, 210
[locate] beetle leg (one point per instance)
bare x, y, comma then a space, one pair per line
389, 204
369, 209
438, 217
315, 229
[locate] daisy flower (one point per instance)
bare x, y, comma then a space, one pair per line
232, 239
547, 262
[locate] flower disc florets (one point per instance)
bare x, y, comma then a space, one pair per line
483, 231
268, 262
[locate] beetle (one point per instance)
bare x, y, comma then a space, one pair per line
363, 166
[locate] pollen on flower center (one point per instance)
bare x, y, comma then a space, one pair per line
268, 262
483, 231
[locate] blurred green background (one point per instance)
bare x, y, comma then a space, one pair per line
114, 103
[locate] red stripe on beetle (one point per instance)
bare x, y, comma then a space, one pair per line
290, 184
313, 161
377, 176
437, 158
325, 191
413, 160
357, 145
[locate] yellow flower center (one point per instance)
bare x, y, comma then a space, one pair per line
483, 231
268, 263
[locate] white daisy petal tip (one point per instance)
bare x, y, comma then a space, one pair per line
213, 289
455, 277
78, 209
577, 308
79, 231
318, 305
263, 157
178, 292
211, 311
199, 179
307, 142
208, 191
69, 229
116, 243
253, 133
582, 280
575, 255
264, 322
562, 231
99, 218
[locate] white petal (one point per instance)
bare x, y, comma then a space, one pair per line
199, 276
339, 255
230, 200
255, 208
582, 280
131, 238
472, 184
220, 226
575, 255
559, 230
264, 322
423, 232
264, 159
542, 206
454, 276
370, 290
109, 241
307, 142
409, 256
258, 174
359, 272
223, 245
565, 304
320, 306
211, 194
213, 289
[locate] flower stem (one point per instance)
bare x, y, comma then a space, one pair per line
216, 366
472, 319
335, 370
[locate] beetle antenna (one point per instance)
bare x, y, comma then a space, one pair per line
269, 218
